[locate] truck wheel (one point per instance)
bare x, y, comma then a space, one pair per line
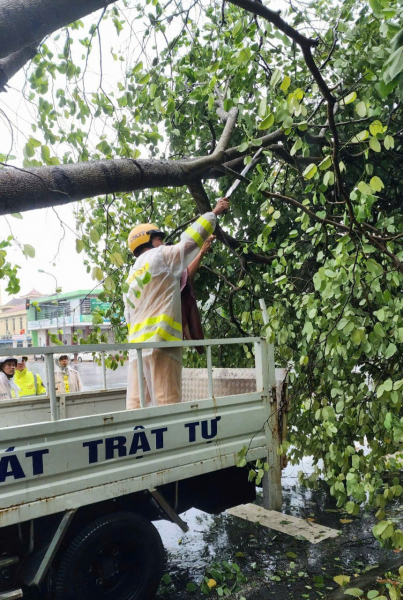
117, 557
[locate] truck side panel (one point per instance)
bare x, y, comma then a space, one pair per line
49, 467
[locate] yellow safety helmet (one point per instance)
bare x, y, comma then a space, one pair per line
141, 234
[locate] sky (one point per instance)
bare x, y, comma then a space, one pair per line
55, 250
42, 230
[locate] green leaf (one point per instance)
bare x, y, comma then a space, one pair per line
297, 145
144, 79
275, 78
376, 184
360, 137
97, 273
237, 28
361, 109
393, 66
117, 259
79, 245
94, 235
29, 150
389, 142
138, 67
288, 122
390, 350
310, 171
364, 188
45, 153
109, 284
16, 215
374, 144
267, 122
191, 587
376, 7
326, 163
376, 127
350, 98
170, 107
355, 592
29, 250
378, 330
285, 84
328, 178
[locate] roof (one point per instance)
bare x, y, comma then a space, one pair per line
33, 294
13, 302
12, 309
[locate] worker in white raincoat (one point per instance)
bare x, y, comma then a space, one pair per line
8, 388
67, 380
153, 305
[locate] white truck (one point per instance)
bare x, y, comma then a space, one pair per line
82, 479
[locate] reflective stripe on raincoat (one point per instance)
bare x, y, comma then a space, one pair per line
153, 301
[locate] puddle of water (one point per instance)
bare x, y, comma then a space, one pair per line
213, 538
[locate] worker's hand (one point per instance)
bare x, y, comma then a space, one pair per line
207, 245
222, 206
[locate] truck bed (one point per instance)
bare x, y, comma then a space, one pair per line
94, 450
50, 467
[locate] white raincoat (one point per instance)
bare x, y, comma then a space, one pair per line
153, 301
67, 380
8, 389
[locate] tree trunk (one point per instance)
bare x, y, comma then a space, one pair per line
23, 22
28, 189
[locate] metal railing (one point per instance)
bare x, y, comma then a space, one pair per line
49, 351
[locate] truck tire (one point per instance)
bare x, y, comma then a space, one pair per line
117, 557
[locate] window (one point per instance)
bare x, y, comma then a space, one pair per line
6, 325
14, 325
85, 306
21, 324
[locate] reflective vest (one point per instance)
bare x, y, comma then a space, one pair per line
29, 383
153, 301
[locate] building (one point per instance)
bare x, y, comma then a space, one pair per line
13, 321
64, 313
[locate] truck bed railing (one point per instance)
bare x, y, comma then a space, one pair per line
49, 352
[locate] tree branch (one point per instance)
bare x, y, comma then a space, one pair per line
23, 22
11, 64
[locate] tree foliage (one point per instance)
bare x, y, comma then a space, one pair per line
316, 231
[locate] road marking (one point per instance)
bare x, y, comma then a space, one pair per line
294, 526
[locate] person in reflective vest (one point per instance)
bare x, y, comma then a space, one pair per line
8, 389
153, 305
30, 384
67, 380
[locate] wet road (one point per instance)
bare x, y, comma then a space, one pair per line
91, 374
276, 565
